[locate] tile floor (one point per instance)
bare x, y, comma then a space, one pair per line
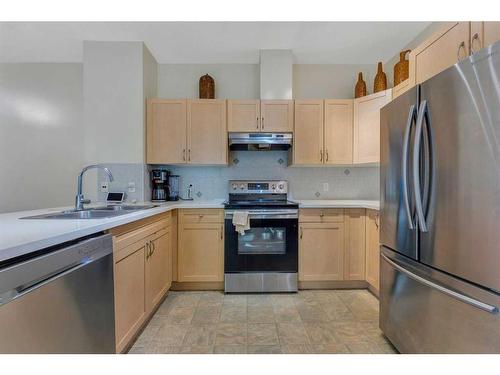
320, 321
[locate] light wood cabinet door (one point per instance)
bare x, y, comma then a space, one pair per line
338, 131
243, 115
482, 34
276, 115
321, 251
372, 249
355, 254
166, 131
158, 267
130, 307
367, 126
442, 50
200, 254
308, 132
206, 132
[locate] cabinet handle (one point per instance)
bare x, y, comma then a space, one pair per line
321, 214
376, 221
257, 123
461, 46
153, 246
262, 123
301, 232
147, 250
184, 155
221, 232
326, 151
189, 155
320, 155
201, 216
474, 37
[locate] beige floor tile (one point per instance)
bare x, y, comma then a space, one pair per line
160, 348
196, 350
347, 330
230, 349
231, 334
200, 335
292, 333
320, 333
312, 313
260, 314
286, 314
259, 300
263, 349
234, 313
297, 349
262, 334
180, 315
187, 299
235, 299
285, 300
367, 347
207, 314
332, 348
337, 311
170, 334
326, 296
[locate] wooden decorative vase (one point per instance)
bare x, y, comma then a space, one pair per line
402, 68
380, 83
207, 87
360, 89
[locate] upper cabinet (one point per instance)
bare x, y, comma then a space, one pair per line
442, 50
367, 126
308, 132
186, 131
166, 131
276, 115
206, 132
482, 34
260, 115
338, 132
243, 115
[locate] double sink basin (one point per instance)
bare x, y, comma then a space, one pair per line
93, 213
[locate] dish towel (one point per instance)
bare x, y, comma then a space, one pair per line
241, 221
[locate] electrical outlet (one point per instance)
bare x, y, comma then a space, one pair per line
104, 187
131, 187
326, 186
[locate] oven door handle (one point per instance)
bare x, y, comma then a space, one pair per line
266, 214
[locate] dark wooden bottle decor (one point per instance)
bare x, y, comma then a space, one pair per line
360, 89
207, 87
402, 68
380, 83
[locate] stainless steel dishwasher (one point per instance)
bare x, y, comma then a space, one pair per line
59, 300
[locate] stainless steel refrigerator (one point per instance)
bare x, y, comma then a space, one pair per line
440, 211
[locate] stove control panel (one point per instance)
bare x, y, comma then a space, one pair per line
258, 187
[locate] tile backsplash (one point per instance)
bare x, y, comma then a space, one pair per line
126, 178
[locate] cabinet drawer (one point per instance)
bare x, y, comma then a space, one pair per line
123, 240
321, 215
205, 215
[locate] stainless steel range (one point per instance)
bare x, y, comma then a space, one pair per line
265, 257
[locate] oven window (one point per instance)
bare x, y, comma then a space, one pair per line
264, 240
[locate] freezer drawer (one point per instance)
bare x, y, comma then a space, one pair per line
425, 311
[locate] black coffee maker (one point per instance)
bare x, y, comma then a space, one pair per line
159, 179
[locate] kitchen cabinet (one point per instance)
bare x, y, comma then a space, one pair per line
200, 256
447, 46
255, 116
372, 249
276, 116
482, 34
308, 133
401, 88
321, 215
142, 273
206, 132
367, 126
166, 131
355, 249
338, 131
321, 251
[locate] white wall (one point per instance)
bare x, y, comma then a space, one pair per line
41, 134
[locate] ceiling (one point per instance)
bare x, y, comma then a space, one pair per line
212, 42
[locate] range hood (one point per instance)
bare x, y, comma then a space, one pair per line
259, 141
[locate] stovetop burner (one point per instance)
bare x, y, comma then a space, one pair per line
253, 205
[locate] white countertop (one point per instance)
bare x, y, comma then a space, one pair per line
19, 237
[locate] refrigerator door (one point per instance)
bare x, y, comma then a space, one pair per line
397, 205
460, 217
426, 311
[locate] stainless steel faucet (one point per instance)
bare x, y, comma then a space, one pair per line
79, 200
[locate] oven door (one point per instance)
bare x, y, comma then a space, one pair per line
270, 245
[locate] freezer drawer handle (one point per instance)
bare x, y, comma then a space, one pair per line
463, 298
404, 164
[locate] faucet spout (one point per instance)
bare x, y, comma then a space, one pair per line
80, 200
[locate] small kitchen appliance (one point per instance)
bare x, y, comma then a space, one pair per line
173, 187
159, 179
265, 257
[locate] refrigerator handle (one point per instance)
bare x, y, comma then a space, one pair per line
416, 166
404, 164
459, 296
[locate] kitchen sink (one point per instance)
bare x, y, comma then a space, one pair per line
93, 213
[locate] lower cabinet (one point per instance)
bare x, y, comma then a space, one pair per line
142, 273
355, 250
200, 254
321, 251
372, 249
